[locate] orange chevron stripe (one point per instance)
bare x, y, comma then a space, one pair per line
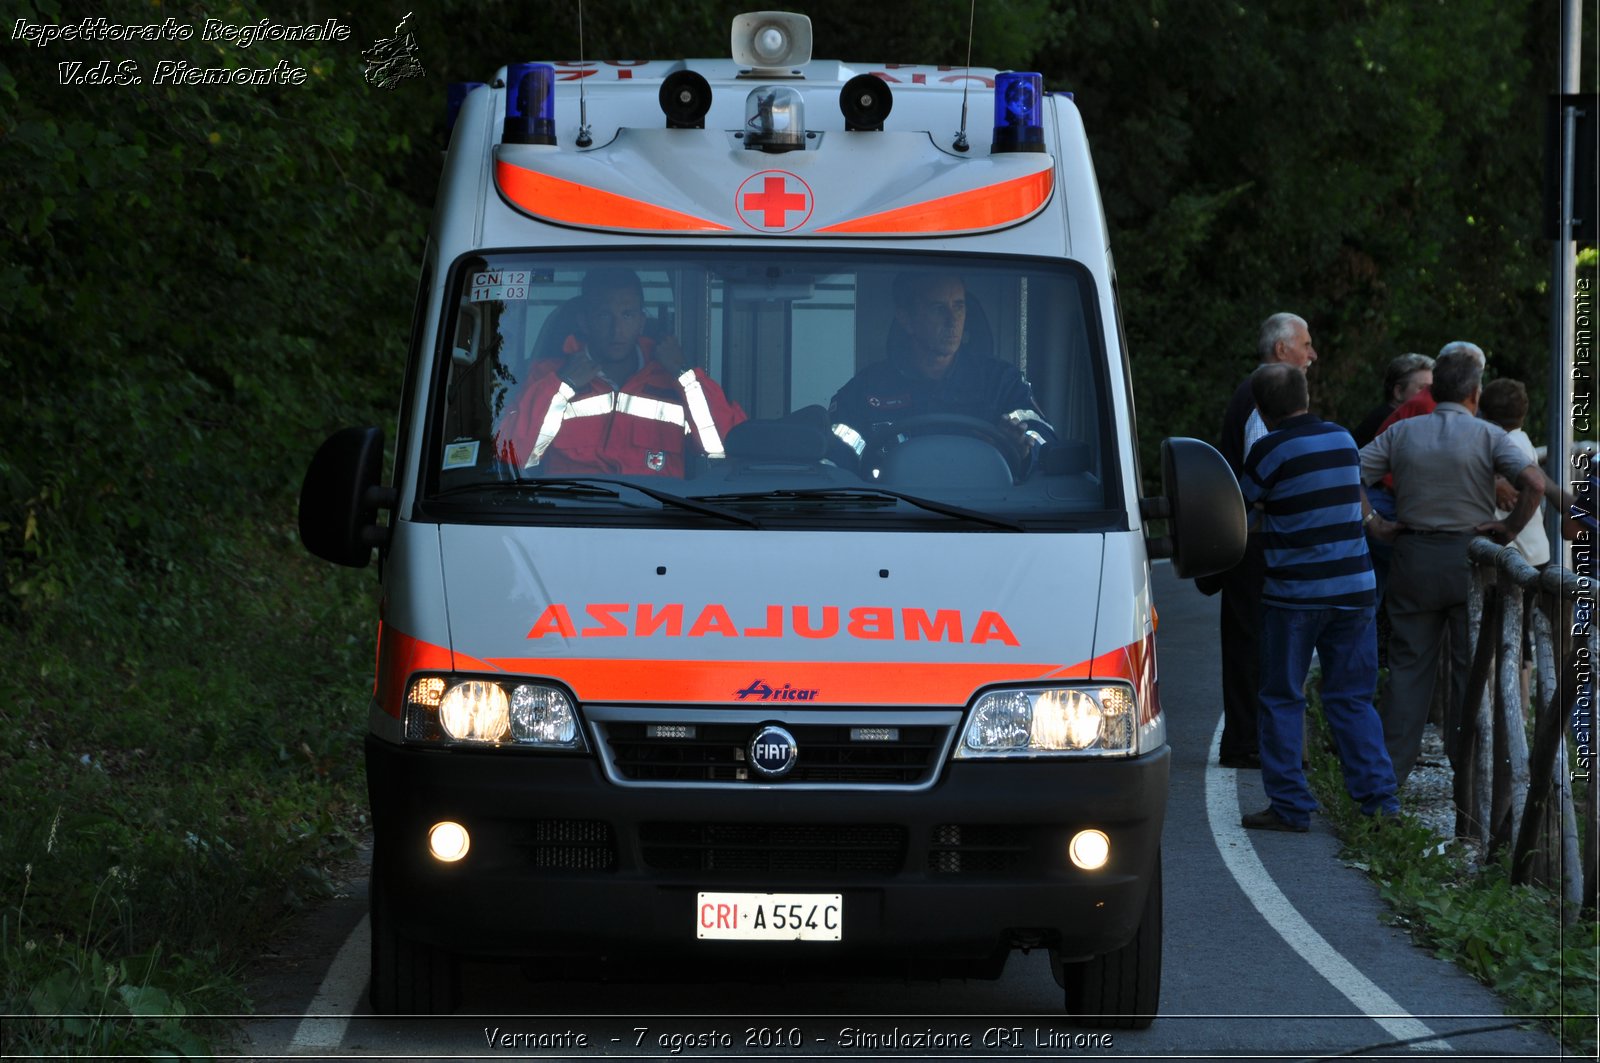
570, 203
981, 208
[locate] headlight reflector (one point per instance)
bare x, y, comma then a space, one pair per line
542, 715
1095, 721
1000, 721
475, 711
1065, 719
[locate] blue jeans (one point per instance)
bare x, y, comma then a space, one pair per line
1346, 643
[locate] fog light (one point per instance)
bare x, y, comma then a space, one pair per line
449, 841
1090, 849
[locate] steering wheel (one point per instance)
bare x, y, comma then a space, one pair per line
1011, 447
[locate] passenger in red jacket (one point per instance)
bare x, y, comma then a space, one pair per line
615, 401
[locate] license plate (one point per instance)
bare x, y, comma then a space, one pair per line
770, 916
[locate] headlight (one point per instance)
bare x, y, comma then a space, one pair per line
479, 711
542, 716
1055, 721
475, 711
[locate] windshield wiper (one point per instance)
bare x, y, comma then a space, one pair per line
865, 494
565, 488
602, 487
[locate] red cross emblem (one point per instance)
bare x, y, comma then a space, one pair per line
774, 201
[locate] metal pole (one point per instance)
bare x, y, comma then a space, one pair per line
1564, 268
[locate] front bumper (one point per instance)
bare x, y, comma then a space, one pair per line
565, 863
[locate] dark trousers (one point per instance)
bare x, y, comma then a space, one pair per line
1345, 641
1241, 652
1427, 595
1382, 553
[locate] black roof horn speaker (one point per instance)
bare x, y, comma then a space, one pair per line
685, 99
865, 101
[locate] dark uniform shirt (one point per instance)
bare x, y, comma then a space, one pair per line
1235, 418
892, 391
1367, 430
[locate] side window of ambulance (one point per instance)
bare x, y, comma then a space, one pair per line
474, 379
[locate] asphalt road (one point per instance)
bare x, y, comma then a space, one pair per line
1274, 948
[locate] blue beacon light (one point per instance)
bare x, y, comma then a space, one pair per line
530, 104
455, 96
1018, 113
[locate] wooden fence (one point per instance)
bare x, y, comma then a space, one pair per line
1508, 794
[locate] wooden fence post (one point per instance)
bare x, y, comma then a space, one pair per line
1483, 610
1510, 734
1548, 848
1543, 770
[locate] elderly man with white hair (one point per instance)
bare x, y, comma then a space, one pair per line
1283, 338
1444, 466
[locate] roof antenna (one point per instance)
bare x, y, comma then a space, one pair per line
584, 139
961, 134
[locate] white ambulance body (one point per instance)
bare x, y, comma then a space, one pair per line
886, 706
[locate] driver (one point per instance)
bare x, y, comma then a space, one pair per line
932, 369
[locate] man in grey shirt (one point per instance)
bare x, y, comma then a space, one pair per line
1444, 466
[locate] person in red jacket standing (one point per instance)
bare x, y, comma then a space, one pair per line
615, 401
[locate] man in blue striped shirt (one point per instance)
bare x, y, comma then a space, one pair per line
1319, 594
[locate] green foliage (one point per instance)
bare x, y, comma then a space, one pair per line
179, 778
72, 996
1373, 167
1511, 938
199, 283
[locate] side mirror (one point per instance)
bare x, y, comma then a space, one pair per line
1203, 507
341, 495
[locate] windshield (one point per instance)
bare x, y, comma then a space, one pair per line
805, 389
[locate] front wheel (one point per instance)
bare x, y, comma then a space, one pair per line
1121, 990
408, 977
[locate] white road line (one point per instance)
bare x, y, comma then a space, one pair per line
337, 997
1239, 854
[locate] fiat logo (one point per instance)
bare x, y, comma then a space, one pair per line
773, 751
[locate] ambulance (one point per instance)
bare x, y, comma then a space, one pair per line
702, 672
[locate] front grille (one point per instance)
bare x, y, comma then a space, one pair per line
570, 845
977, 848
827, 754
837, 849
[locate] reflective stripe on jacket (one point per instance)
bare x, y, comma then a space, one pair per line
643, 427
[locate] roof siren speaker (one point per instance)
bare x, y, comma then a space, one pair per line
865, 101
685, 99
771, 43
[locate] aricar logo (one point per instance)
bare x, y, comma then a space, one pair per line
762, 692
